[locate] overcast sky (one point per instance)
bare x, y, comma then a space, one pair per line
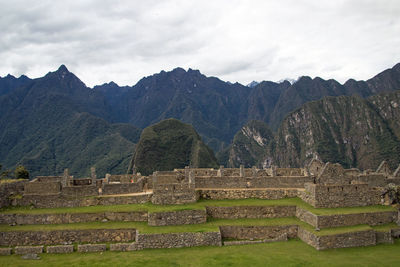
235, 40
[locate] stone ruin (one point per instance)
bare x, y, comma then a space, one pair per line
322, 185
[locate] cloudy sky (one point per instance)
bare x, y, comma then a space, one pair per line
235, 40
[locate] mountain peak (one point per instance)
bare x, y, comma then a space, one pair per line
62, 68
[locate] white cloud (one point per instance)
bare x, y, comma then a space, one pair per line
234, 40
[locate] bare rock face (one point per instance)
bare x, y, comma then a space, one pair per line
348, 130
251, 145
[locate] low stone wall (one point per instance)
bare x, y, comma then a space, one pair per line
247, 193
337, 220
353, 239
57, 201
64, 218
370, 218
237, 212
18, 238
21, 250
282, 237
5, 251
10, 190
177, 217
176, 240
60, 249
384, 237
258, 232
92, 248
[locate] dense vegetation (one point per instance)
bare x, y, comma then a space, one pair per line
171, 144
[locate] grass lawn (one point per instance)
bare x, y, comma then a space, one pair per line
201, 204
291, 253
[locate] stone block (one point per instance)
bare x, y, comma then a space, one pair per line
20, 250
60, 249
92, 248
5, 251
120, 246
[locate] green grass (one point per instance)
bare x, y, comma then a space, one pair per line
201, 204
291, 253
211, 225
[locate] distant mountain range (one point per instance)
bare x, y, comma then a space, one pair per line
55, 122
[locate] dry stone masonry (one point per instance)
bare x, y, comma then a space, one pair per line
322, 185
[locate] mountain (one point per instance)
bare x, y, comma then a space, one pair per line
348, 129
171, 144
251, 146
9, 83
212, 106
307, 89
56, 122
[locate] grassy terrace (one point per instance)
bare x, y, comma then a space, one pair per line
291, 253
210, 226
201, 204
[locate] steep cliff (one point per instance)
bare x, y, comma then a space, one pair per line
251, 146
349, 130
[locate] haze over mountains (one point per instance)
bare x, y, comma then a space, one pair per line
54, 122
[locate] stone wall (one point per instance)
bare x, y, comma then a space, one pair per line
56, 201
353, 239
10, 190
61, 249
42, 188
247, 193
371, 218
64, 218
335, 196
177, 217
373, 180
237, 212
251, 182
307, 217
176, 240
258, 232
48, 178
79, 191
114, 189
18, 238
337, 220
384, 237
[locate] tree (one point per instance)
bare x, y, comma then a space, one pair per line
21, 172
